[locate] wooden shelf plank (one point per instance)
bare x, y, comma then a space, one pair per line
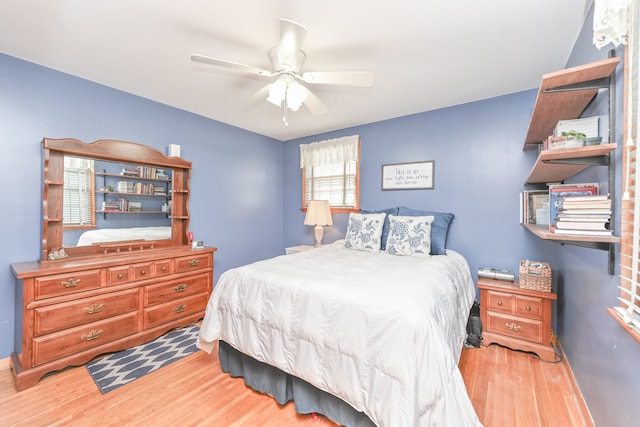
550, 107
543, 172
543, 232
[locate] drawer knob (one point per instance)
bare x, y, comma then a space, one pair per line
120, 276
143, 272
527, 307
93, 335
93, 308
181, 287
71, 283
180, 308
163, 268
499, 303
194, 262
513, 327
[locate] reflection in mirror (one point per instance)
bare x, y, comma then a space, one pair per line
107, 201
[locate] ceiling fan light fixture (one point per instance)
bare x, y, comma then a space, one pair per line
277, 92
296, 95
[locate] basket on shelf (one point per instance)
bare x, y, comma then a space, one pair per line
535, 275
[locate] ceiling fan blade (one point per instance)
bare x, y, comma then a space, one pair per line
314, 104
229, 64
255, 99
342, 78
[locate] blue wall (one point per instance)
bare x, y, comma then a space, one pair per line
479, 170
236, 182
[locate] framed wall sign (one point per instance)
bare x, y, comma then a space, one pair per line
408, 176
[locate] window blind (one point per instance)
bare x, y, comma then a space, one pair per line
629, 299
78, 195
330, 172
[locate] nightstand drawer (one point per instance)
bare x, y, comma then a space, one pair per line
500, 301
528, 307
516, 327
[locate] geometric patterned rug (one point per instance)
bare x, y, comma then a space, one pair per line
118, 369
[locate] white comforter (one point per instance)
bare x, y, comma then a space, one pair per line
120, 234
382, 332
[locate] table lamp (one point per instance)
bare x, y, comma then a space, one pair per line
319, 215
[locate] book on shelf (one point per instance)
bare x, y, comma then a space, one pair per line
570, 232
534, 205
582, 225
135, 207
558, 191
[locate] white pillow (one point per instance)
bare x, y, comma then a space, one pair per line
364, 231
409, 235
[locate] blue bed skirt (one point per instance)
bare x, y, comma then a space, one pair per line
283, 388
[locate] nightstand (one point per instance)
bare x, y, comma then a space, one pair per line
296, 249
516, 318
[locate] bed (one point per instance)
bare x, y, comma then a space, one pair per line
121, 234
363, 336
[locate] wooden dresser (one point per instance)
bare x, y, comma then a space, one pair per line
69, 312
516, 318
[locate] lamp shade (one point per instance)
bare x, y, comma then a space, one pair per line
318, 213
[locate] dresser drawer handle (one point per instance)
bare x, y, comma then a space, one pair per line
163, 268
71, 283
527, 307
194, 262
513, 327
500, 303
143, 272
120, 276
93, 308
181, 287
93, 335
180, 308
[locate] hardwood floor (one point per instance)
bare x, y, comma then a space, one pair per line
507, 388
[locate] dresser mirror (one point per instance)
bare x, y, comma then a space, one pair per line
109, 197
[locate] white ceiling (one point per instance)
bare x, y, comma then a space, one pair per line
425, 54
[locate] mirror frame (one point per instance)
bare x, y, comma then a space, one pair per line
53, 152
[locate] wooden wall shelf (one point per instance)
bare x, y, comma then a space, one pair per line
559, 99
549, 166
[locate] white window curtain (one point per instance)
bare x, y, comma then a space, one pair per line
330, 151
611, 22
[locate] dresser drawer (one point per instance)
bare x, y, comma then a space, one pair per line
57, 317
163, 313
163, 267
169, 291
117, 275
530, 307
59, 344
193, 262
61, 284
500, 301
516, 327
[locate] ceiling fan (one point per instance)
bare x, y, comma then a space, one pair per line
287, 89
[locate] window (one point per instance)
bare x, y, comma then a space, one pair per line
331, 171
79, 196
628, 311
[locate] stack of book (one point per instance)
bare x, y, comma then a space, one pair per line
588, 215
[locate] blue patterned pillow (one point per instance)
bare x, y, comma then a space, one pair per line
364, 231
410, 235
439, 227
385, 227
